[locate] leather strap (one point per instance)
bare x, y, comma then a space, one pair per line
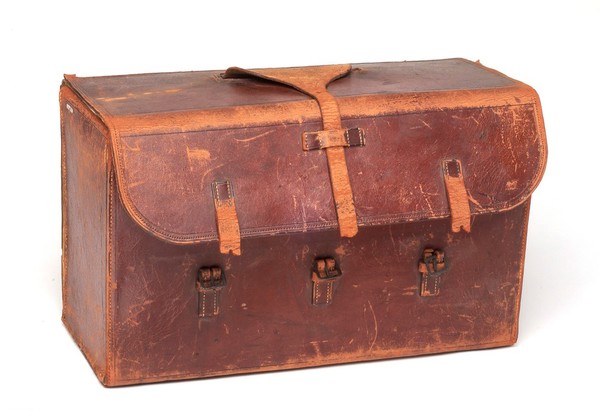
331, 138
228, 226
458, 199
324, 277
431, 267
313, 81
209, 285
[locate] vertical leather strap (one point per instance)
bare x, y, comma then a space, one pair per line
324, 278
431, 266
227, 221
210, 283
313, 81
458, 199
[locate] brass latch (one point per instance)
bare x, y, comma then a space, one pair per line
211, 281
324, 276
431, 266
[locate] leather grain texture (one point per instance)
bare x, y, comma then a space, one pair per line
141, 154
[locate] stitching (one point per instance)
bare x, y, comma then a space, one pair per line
316, 293
229, 193
109, 323
65, 201
517, 308
203, 304
215, 301
446, 170
329, 286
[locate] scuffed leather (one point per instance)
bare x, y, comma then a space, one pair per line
138, 174
162, 175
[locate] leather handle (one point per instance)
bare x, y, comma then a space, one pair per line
313, 81
310, 80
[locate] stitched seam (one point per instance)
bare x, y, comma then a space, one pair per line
515, 328
109, 297
65, 216
203, 304
316, 293
329, 285
215, 300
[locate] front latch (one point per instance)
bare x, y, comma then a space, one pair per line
211, 281
431, 266
324, 276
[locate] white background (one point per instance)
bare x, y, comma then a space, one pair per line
552, 46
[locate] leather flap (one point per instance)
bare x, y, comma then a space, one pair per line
165, 170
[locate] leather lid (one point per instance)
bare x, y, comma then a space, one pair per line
166, 160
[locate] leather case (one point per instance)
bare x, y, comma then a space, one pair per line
225, 222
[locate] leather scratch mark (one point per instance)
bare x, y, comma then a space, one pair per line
426, 195
258, 136
132, 95
200, 155
375, 329
472, 118
207, 172
393, 241
315, 345
425, 124
134, 184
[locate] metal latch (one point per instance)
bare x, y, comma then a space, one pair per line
324, 276
211, 281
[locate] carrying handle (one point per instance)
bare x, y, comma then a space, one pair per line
313, 81
310, 80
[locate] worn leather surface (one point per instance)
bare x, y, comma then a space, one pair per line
183, 91
137, 183
313, 81
267, 320
280, 188
85, 222
502, 143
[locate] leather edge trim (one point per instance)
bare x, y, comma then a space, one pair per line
517, 309
109, 355
372, 356
307, 110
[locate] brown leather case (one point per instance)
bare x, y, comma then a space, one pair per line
252, 220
